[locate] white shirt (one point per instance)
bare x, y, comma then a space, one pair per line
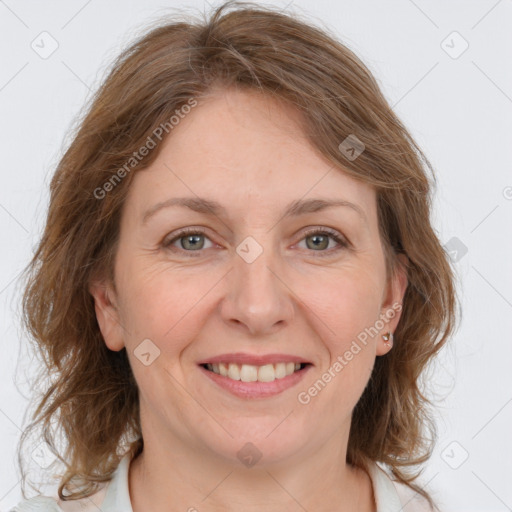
390, 496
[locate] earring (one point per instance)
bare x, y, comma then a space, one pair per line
388, 338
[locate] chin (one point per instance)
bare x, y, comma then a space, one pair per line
264, 442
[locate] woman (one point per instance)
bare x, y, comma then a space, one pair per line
238, 286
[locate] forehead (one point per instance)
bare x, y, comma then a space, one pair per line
236, 146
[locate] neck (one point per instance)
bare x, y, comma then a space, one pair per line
173, 476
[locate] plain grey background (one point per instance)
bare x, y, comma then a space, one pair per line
443, 65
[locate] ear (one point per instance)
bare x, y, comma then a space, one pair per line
391, 309
107, 315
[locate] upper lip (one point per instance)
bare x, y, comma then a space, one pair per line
252, 359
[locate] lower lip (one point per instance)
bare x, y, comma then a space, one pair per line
256, 389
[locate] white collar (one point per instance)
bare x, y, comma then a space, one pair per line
116, 494
117, 497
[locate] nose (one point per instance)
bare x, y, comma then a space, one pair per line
258, 300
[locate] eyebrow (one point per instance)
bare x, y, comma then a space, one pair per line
213, 208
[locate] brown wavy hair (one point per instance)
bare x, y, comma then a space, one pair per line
87, 406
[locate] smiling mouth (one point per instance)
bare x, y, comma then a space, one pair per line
253, 373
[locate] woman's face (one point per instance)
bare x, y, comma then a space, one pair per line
251, 286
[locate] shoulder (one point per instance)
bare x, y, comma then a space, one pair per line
411, 500
391, 495
54, 504
37, 504
108, 497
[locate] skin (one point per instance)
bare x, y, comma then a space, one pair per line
247, 152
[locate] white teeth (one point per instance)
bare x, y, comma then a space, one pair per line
266, 373
280, 371
234, 372
251, 373
223, 369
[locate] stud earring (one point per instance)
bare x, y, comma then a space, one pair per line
388, 338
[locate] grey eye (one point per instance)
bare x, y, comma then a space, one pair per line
194, 242
188, 241
318, 241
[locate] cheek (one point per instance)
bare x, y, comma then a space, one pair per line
346, 310
347, 305
161, 304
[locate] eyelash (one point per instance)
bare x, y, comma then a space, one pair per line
315, 231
